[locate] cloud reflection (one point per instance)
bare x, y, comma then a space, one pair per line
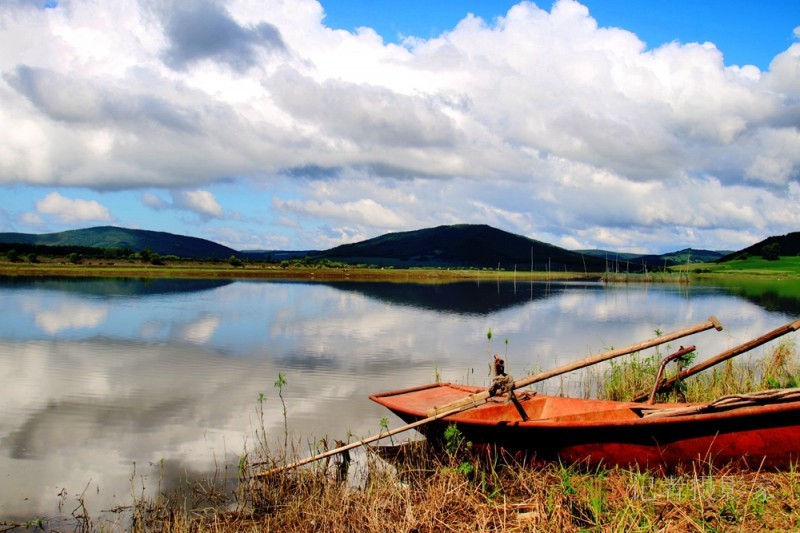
67, 317
200, 331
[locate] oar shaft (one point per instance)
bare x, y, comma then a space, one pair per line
724, 356
712, 322
361, 442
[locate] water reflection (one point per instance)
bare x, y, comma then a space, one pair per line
99, 378
780, 295
467, 297
111, 287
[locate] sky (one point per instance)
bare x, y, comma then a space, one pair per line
626, 125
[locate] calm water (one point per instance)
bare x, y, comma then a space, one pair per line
114, 386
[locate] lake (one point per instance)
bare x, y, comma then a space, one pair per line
114, 387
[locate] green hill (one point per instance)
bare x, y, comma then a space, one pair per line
788, 245
136, 240
463, 245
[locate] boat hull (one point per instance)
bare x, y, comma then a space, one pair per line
597, 432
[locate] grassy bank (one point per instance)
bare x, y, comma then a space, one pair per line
785, 268
215, 270
473, 491
788, 266
463, 488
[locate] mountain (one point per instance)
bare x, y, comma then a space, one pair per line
463, 245
137, 240
634, 262
788, 244
693, 255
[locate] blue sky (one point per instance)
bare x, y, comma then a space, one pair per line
614, 124
747, 32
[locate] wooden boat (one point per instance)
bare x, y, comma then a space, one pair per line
760, 430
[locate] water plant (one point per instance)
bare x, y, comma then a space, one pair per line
280, 383
384, 423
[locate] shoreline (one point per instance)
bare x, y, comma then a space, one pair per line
266, 271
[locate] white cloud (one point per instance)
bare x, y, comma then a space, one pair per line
67, 210
199, 201
31, 219
154, 202
541, 121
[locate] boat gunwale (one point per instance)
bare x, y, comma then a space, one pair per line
742, 412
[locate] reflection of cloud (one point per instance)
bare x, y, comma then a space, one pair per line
80, 411
200, 331
72, 316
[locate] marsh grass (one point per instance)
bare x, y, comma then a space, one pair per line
418, 488
773, 368
426, 490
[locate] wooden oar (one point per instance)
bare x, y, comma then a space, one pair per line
477, 399
480, 397
362, 442
667, 384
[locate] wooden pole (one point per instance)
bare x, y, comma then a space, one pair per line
724, 356
481, 397
477, 399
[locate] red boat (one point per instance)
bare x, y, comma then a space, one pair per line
760, 430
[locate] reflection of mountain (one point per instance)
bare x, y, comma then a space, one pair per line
465, 298
116, 287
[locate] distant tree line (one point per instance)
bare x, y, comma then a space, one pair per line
22, 251
307, 262
31, 253
17, 252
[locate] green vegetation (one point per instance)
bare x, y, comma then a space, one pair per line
630, 376
750, 265
770, 248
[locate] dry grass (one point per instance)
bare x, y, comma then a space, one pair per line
432, 492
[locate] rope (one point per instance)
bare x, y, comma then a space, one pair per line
732, 401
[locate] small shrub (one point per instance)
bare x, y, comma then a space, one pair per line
771, 252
